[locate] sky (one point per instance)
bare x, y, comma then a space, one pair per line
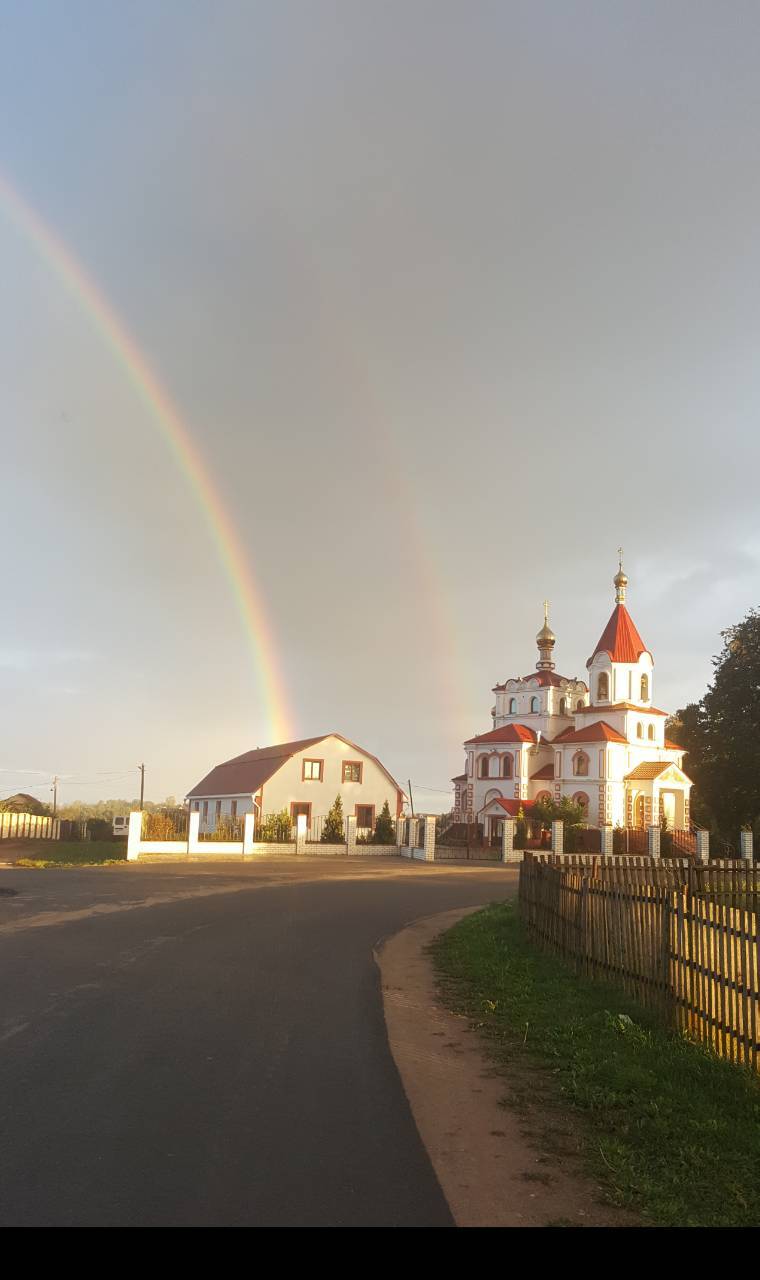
451, 299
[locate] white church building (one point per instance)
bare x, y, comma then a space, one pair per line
601, 743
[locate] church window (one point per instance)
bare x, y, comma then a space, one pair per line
603, 688
506, 767
563, 706
512, 706
579, 705
580, 764
535, 705
483, 768
494, 767
644, 688
581, 798
639, 730
650, 733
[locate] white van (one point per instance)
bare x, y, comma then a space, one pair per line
121, 826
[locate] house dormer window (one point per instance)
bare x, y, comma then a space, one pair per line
645, 688
580, 764
603, 688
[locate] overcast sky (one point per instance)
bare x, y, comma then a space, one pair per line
453, 298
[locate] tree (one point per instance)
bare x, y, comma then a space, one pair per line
277, 828
332, 831
385, 831
722, 734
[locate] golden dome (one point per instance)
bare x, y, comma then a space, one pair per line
620, 580
546, 638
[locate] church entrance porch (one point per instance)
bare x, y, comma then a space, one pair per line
656, 790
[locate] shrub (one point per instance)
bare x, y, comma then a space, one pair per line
385, 831
332, 831
277, 828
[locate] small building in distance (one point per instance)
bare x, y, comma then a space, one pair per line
301, 777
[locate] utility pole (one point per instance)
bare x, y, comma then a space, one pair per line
54, 789
141, 767
411, 797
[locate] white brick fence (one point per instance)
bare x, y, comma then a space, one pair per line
191, 845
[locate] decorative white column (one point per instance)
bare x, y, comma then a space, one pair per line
351, 835
508, 840
400, 831
654, 841
429, 838
745, 845
300, 834
558, 837
249, 827
608, 844
703, 846
133, 838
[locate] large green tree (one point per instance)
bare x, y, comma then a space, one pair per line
722, 735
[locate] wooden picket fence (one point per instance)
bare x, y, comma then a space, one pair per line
684, 947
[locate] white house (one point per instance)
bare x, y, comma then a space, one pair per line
602, 744
299, 777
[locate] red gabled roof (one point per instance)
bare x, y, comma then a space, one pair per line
673, 746
620, 639
507, 733
620, 706
461, 777
543, 678
245, 774
512, 807
541, 774
600, 731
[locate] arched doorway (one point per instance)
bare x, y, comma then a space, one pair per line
639, 811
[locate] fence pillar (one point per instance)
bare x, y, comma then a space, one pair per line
607, 842
703, 846
558, 837
194, 831
134, 835
300, 834
745, 845
429, 838
351, 835
249, 827
507, 839
654, 841
400, 831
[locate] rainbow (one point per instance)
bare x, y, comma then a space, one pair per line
164, 413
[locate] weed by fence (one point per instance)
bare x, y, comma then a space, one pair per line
164, 826
679, 938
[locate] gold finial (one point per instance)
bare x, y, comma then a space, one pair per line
621, 579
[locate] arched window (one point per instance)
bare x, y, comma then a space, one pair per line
580, 764
603, 688
494, 763
639, 730
563, 706
579, 705
506, 767
645, 688
535, 705
543, 796
581, 798
650, 733
512, 706
483, 767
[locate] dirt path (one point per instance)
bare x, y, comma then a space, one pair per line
489, 1159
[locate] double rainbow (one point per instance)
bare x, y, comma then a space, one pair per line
166, 417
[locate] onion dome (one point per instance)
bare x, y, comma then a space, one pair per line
546, 641
620, 580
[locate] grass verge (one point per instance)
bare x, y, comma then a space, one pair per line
670, 1130
72, 853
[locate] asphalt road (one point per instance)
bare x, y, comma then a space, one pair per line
217, 1058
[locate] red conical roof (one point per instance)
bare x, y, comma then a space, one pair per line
620, 639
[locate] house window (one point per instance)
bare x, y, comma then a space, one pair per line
512, 706
352, 771
506, 767
644, 688
580, 764
218, 808
483, 767
650, 733
603, 688
233, 808
535, 706
563, 706
312, 771
365, 815
205, 810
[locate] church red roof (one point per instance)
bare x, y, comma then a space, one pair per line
507, 733
541, 774
598, 732
542, 678
512, 807
620, 639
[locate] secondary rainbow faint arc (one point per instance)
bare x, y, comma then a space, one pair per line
165, 415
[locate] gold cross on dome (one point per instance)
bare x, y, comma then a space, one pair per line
546, 611
620, 556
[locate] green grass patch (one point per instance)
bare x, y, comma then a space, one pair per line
670, 1130
72, 853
